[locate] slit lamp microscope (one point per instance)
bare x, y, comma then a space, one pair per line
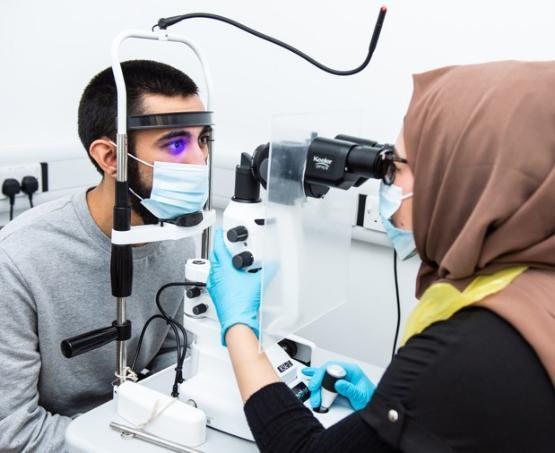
208, 393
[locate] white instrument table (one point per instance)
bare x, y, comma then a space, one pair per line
91, 432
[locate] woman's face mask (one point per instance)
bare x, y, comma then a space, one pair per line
391, 197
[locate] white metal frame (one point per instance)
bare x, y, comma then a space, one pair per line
153, 232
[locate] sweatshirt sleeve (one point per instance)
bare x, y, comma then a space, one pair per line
24, 425
281, 423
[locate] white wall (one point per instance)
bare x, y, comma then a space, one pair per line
49, 51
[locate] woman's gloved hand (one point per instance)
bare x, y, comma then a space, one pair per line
356, 386
235, 293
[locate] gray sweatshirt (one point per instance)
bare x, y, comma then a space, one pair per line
54, 284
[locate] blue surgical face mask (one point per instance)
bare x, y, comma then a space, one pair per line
177, 189
391, 197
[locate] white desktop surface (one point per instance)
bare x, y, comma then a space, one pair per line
91, 432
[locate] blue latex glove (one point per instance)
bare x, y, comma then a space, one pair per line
235, 293
356, 386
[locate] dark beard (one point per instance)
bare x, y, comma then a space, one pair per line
140, 188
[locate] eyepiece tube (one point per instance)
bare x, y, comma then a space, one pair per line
368, 162
342, 162
357, 140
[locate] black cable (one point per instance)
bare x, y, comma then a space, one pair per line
175, 325
31, 201
159, 305
11, 211
181, 358
139, 345
175, 392
164, 23
179, 368
398, 302
179, 350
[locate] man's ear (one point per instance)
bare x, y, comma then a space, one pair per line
103, 152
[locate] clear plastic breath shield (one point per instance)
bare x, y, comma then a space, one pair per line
306, 240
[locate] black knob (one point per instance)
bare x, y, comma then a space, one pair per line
244, 259
333, 374
193, 292
200, 309
237, 234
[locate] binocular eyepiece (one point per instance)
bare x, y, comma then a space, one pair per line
342, 162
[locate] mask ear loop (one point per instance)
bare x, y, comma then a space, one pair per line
135, 193
138, 160
134, 157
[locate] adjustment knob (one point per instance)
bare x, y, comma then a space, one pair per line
244, 259
333, 374
193, 292
200, 309
237, 234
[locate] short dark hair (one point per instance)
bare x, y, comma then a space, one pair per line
98, 106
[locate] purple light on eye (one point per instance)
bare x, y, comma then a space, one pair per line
177, 146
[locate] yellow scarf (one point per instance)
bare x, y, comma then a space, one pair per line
442, 300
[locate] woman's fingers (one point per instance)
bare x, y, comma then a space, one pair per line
220, 253
315, 399
345, 388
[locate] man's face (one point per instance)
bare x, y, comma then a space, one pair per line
182, 145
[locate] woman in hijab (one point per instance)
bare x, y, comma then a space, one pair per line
477, 366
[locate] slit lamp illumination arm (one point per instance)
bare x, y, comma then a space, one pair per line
164, 23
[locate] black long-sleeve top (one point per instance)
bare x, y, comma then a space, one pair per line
468, 384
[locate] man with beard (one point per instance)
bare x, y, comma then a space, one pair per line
55, 264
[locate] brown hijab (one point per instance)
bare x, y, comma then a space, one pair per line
480, 140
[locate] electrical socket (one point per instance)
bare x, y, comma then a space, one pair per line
372, 219
18, 171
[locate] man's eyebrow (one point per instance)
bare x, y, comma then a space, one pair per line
173, 134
